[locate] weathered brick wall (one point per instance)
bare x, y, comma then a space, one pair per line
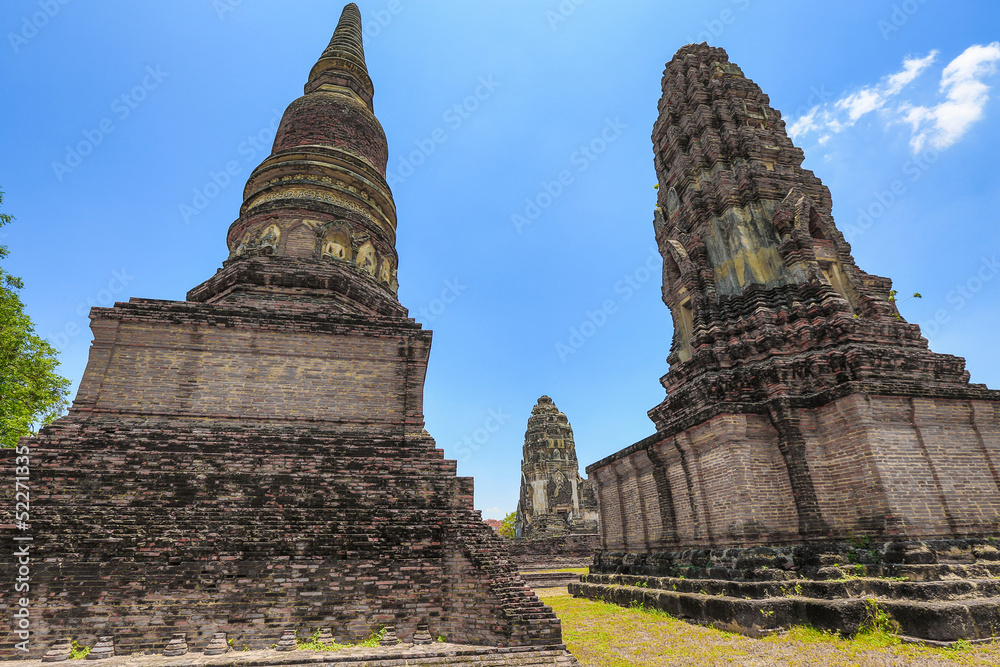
152, 357
573, 550
252, 530
902, 467
231, 469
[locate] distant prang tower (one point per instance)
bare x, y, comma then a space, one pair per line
253, 460
554, 499
801, 408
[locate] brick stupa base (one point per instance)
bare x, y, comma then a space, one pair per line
192, 489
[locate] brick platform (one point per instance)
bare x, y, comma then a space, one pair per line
189, 490
404, 655
912, 466
561, 551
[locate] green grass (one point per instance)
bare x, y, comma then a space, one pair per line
78, 652
314, 644
606, 635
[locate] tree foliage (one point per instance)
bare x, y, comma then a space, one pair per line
31, 392
507, 525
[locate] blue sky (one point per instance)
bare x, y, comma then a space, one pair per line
486, 105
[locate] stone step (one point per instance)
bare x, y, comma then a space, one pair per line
942, 620
855, 587
548, 579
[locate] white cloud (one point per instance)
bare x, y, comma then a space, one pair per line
804, 124
965, 98
846, 111
941, 125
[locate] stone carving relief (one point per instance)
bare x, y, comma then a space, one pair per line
270, 237
311, 238
265, 243
337, 244
367, 260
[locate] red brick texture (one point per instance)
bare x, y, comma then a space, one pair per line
896, 467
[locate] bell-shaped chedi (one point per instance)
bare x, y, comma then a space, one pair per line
800, 406
317, 227
254, 459
554, 499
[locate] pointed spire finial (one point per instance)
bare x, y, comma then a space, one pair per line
343, 62
318, 211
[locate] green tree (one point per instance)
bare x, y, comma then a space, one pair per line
31, 392
507, 525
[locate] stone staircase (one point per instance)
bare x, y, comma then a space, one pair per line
934, 591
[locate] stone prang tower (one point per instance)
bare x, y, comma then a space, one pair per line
802, 411
554, 500
253, 460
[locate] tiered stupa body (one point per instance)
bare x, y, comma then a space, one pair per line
800, 406
554, 500
317, 229
254, 459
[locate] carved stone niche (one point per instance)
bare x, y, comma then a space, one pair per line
262, 241
270, 238
336, 244
367, 259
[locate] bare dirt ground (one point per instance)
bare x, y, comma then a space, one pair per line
605, 635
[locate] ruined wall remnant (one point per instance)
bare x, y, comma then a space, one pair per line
554, 499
